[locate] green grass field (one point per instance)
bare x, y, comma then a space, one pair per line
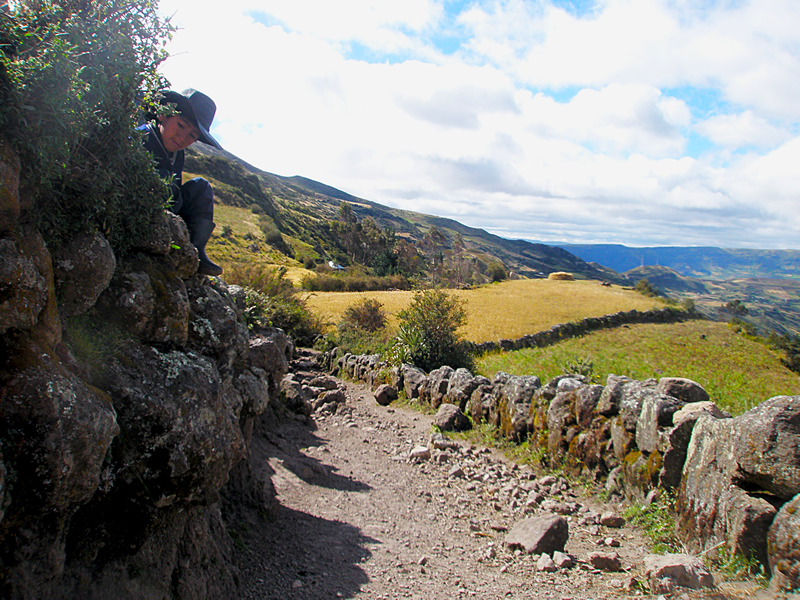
738, 373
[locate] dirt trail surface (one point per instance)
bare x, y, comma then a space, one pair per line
360, 518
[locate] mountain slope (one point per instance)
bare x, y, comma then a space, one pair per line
700, 262
303, 209
666, 280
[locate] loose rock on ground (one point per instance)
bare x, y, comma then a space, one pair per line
364, 512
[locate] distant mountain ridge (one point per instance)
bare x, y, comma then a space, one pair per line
697, 262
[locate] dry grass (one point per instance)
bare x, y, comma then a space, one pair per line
509, 309
235, 250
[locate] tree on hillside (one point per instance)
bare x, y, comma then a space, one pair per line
736, 307
434, 243
644, 287
497, 272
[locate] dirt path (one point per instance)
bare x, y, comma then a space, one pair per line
358, 518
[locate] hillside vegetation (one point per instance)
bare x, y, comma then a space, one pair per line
509, 309
737, 372
314, 224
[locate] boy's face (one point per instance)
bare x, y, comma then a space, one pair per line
177, 133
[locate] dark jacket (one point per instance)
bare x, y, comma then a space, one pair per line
168, 165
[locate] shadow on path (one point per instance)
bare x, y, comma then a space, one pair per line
302, 557
287, 554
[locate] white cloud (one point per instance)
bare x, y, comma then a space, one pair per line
471, 136
742, 47
740, 130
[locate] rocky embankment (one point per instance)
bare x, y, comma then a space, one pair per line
129, 392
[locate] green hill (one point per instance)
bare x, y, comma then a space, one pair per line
305, 213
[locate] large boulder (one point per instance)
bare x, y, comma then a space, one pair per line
587, 398
414, 380
480, 400
147, 299
676, 440
83, 270
654, 418
24, 285
560, 416
182, 253
624, 397
214, 326
385, 394
460, 387
784, 547
269, 351
181, 437
513, 405
450, 418
683, 389
737, 472
436, 387
56, 433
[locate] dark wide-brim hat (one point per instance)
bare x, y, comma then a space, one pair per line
198, 108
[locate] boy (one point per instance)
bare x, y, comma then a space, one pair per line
167, 138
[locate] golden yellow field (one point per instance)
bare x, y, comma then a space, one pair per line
509, 309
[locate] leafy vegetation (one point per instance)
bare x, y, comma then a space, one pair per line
365, 315
93, 341
324, 282
73, 80
644, 287
737, 372
429, 336
273, 302
362, 329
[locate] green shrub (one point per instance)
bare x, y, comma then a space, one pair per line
645, 288
271, 301
429, 332
362, 329
72, 76
496, 272
366, 314
580, 365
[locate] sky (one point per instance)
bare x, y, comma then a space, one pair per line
636, 122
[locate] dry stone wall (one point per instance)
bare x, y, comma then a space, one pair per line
736, 480
573, 329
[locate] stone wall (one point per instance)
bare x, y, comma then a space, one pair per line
563, 331
736, 480
119, 463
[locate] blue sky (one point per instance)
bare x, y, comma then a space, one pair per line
641, 122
